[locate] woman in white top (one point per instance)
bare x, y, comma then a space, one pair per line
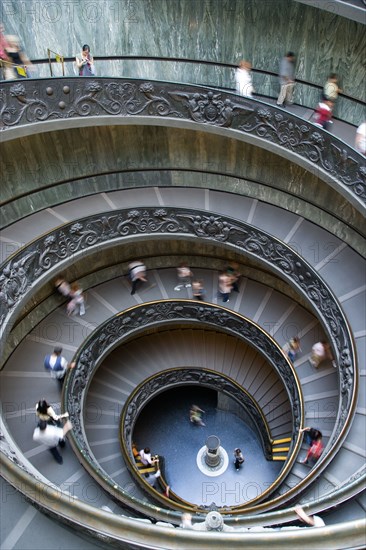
137, 273
145, 457
243, 79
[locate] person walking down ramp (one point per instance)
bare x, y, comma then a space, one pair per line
195, 416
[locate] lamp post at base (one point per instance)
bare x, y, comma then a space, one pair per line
212, 460
212, 456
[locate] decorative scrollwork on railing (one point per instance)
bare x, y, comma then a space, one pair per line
37, 260
111, 333
35, 101
301, 137
124, 325
178, 377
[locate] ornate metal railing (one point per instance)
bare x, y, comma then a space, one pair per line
62, 102
172, 378
199, 72
154, 385
139, 318
40, 260
113, 529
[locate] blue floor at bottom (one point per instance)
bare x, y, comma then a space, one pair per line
164, 426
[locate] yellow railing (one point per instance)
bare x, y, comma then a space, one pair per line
58, 59
276, 450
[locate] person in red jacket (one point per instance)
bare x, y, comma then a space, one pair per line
314, 438
323, 114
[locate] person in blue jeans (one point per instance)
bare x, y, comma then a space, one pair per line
292, 348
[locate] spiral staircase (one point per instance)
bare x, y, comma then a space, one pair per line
165, 215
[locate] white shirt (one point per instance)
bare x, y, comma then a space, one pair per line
243, 82
361, 138
64, 288
318, 349
225, 284
145, 457
136, 268
318, 522
151, 479
50, 436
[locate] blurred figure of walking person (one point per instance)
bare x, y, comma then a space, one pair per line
311, 434
198, 291
313, 438
243, 79
287, 79
292, 348
17, 63
137, 274
63, 287
77, 301
225, 286
52, 437
323, 114
195, 416
233, 271
184, 275
320, 352
3, 56
360, 139
57, 365
331, 88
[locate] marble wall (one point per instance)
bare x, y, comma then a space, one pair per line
52, 168
214, 30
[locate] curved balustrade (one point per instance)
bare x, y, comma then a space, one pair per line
156, 384
110, 528
202, 73
113, 529
39, 261
44, 105
173, 378
134, 320
139, 318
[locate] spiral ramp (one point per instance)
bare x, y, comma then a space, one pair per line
340, 266
274, 307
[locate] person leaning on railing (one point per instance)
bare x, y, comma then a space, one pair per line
85, 63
